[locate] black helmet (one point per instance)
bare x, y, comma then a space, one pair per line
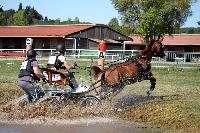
31, 53
60, 47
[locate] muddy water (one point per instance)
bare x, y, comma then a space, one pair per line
99, 125
40, 119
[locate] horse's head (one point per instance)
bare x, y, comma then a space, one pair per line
157, 48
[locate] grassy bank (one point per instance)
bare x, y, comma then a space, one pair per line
175, 103
178, 105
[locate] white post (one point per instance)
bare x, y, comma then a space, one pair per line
79, 53
51, 52
124, 47
74, 45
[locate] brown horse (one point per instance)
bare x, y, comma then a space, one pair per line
116, 76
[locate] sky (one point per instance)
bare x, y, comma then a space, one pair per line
93, 11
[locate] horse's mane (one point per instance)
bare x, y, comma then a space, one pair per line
146, 49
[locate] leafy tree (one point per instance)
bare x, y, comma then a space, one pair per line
32, 15
45, 18
8, 16
126, 29
114, 23
76, 20
69, 21
57, 21
198, 30
20, 6
2, 19
154, 18
29, 16
191, 31
1, 8
19, 18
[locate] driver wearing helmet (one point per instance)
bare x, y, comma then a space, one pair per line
58, 61
29, 73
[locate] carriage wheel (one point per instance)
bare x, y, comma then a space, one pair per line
69, 99
49, 99
22, 101
89, 101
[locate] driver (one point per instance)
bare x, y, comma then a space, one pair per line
29, 73
59, 61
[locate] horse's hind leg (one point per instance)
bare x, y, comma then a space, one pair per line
153, 84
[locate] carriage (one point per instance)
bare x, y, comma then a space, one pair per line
57, 88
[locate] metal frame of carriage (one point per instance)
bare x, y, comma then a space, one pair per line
52, 90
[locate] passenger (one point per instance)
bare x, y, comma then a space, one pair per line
29, 74
59, 61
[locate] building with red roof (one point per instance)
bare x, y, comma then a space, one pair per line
78, 36
176, 42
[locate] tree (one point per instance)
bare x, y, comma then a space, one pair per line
1, 8
198, 30
76, 20
191, 31
57, 21
154, 18
69, 21
113, 23
19, 18
20, 6
2, 19
32, 15
45, 18
8, 16
127, 29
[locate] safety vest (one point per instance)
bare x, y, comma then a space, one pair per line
57, 64
27, 70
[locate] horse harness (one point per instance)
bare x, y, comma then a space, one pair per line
125, 81
141, 73
140, 69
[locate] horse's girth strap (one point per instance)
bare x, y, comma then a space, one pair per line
139, 67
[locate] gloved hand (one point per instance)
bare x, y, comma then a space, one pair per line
45, 80
74, 65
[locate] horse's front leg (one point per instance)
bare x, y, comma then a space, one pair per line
153, 83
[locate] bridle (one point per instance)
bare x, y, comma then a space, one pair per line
161, 50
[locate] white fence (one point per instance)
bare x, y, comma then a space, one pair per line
171, 56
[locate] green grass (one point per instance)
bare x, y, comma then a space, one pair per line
186, 78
